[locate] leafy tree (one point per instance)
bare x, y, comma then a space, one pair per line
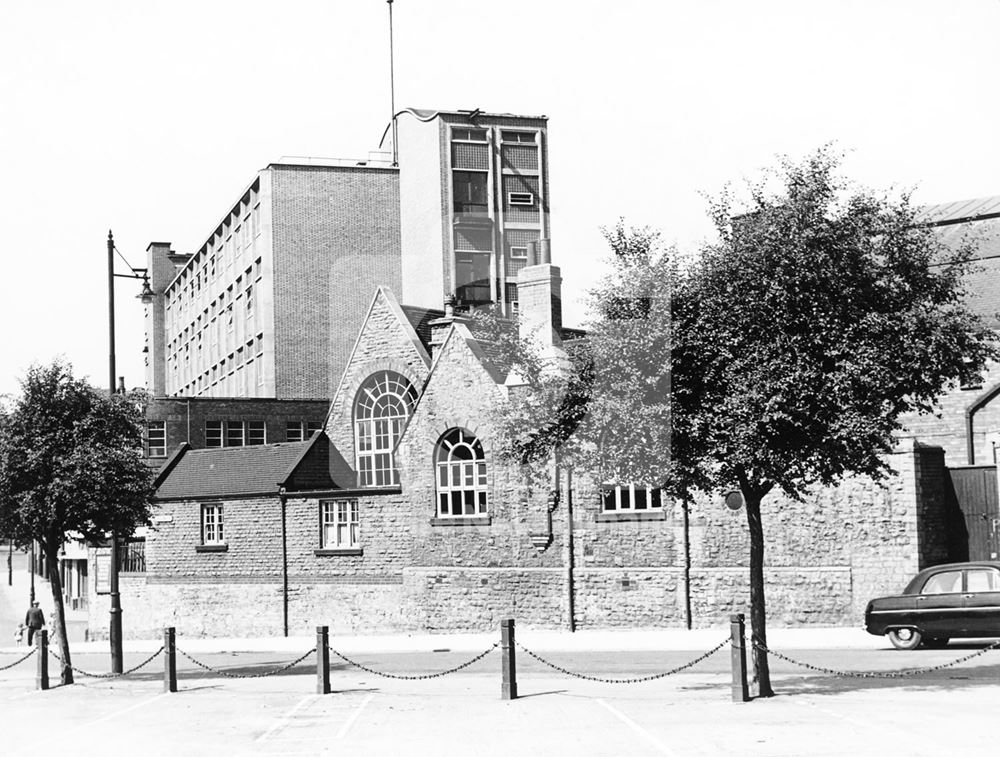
70, 460
782, 357
820, 316
608, 409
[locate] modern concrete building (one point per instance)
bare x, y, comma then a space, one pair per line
270, 303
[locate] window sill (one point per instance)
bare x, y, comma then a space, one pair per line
620, 517
211, 548
339, 552
472, 520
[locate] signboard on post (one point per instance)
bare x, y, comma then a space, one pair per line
102, 570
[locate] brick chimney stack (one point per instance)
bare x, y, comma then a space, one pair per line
539, 303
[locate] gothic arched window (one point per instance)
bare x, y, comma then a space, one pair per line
381, 408
461, 474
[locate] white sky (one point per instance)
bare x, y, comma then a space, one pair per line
149, 118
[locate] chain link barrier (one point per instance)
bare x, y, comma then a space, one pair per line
8, 667
124, 673
906, 673
422, 677
223, 673
640, 679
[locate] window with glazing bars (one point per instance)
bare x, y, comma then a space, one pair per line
211, 524
156, 439
383, 404
629, 498
461, 475
339, 524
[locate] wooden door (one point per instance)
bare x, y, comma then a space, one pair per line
975, 489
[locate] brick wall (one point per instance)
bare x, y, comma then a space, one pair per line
185, 417
336, 238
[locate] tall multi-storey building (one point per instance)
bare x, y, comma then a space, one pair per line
269, 304
474, 187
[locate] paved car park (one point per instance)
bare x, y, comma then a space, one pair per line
686, 714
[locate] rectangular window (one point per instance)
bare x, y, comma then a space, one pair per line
255, 432
519, 253
213, 433
630, 498
299, 431
211, 525
234, 434
520, 198
468, 135
294, 431
470, 192
518, 136
339, 524
156, 439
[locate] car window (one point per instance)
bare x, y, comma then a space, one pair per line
948, 582
983, 579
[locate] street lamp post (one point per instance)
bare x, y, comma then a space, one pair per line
116, 605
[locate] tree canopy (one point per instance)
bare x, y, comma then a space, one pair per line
820, 317
70, 461
784, 355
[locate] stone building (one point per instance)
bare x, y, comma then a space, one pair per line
400, 516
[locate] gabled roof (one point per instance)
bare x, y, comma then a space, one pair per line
229, 471
961, 211
976, 221
420, 319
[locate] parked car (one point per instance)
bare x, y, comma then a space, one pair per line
956, 600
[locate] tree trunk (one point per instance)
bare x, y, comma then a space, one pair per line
58, 619
758, 615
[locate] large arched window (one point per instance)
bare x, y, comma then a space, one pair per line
461, 474
383, 404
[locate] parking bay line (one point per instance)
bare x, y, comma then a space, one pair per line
638, 729
111, 715
354, 716
286, 719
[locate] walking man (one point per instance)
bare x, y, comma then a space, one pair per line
34, 620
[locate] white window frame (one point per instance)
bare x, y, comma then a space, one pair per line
521, 254
382, 405
524, 199
461, 481
159, 449
340, 524
652, 505
212, 531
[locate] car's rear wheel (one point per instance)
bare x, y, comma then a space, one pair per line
905, 638
937, 642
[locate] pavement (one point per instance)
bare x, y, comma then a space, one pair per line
218, 711
14, 596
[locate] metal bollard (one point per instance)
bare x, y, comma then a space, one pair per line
508, 667
741, 690
42, 671
322, 660
169, 660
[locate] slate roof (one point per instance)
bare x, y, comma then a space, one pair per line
977, 221
229, 471
420, 319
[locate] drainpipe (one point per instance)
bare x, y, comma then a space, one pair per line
570, 587
283, 498
687, 562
